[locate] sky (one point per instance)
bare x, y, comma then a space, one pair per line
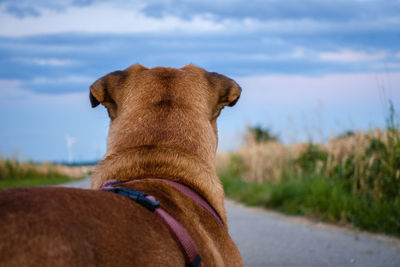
309, 69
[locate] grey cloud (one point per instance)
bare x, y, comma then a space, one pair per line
275, 9
22, 12
25, 8
339, 10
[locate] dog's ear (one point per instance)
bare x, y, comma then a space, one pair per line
228, 90
103, 90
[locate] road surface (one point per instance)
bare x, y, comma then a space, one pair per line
267, 238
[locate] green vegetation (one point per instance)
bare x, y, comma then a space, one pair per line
355, 179
261, 134
16, 174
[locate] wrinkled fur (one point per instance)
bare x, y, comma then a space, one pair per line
163, 125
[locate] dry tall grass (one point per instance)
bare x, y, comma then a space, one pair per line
14, 169
270, 161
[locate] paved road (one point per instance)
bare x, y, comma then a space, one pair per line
269, 239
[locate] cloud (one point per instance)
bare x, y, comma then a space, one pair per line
56, 62
58, 85
25, 8
339, 93
21, 12
339, 10
390, 66
300, 105
11, 89
43, 85
238, 17
346, 55
296, 53
74, 79
300, 89
12, 92
100, 18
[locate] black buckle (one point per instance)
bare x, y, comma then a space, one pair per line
196, 262
137, 196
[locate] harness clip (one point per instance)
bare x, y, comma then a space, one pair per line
147, 201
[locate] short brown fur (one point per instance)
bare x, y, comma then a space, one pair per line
163, 125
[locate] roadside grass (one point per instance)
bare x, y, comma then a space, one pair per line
34, 182
352, 180
318, 198
17, 174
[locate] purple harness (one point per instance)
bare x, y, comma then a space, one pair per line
178, 232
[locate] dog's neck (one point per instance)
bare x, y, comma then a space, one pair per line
166, 163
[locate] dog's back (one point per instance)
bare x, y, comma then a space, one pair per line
76, 227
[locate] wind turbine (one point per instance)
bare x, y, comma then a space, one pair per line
70, 140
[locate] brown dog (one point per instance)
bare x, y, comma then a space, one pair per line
163, 125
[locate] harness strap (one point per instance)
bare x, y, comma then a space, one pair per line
179, 233
187, 191
182, 237
194, 196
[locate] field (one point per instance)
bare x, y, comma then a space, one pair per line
352, 180
14, 173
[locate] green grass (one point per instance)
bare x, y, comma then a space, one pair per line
35, 182
16, 174
318, 198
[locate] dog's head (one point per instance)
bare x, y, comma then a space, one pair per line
164, 106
